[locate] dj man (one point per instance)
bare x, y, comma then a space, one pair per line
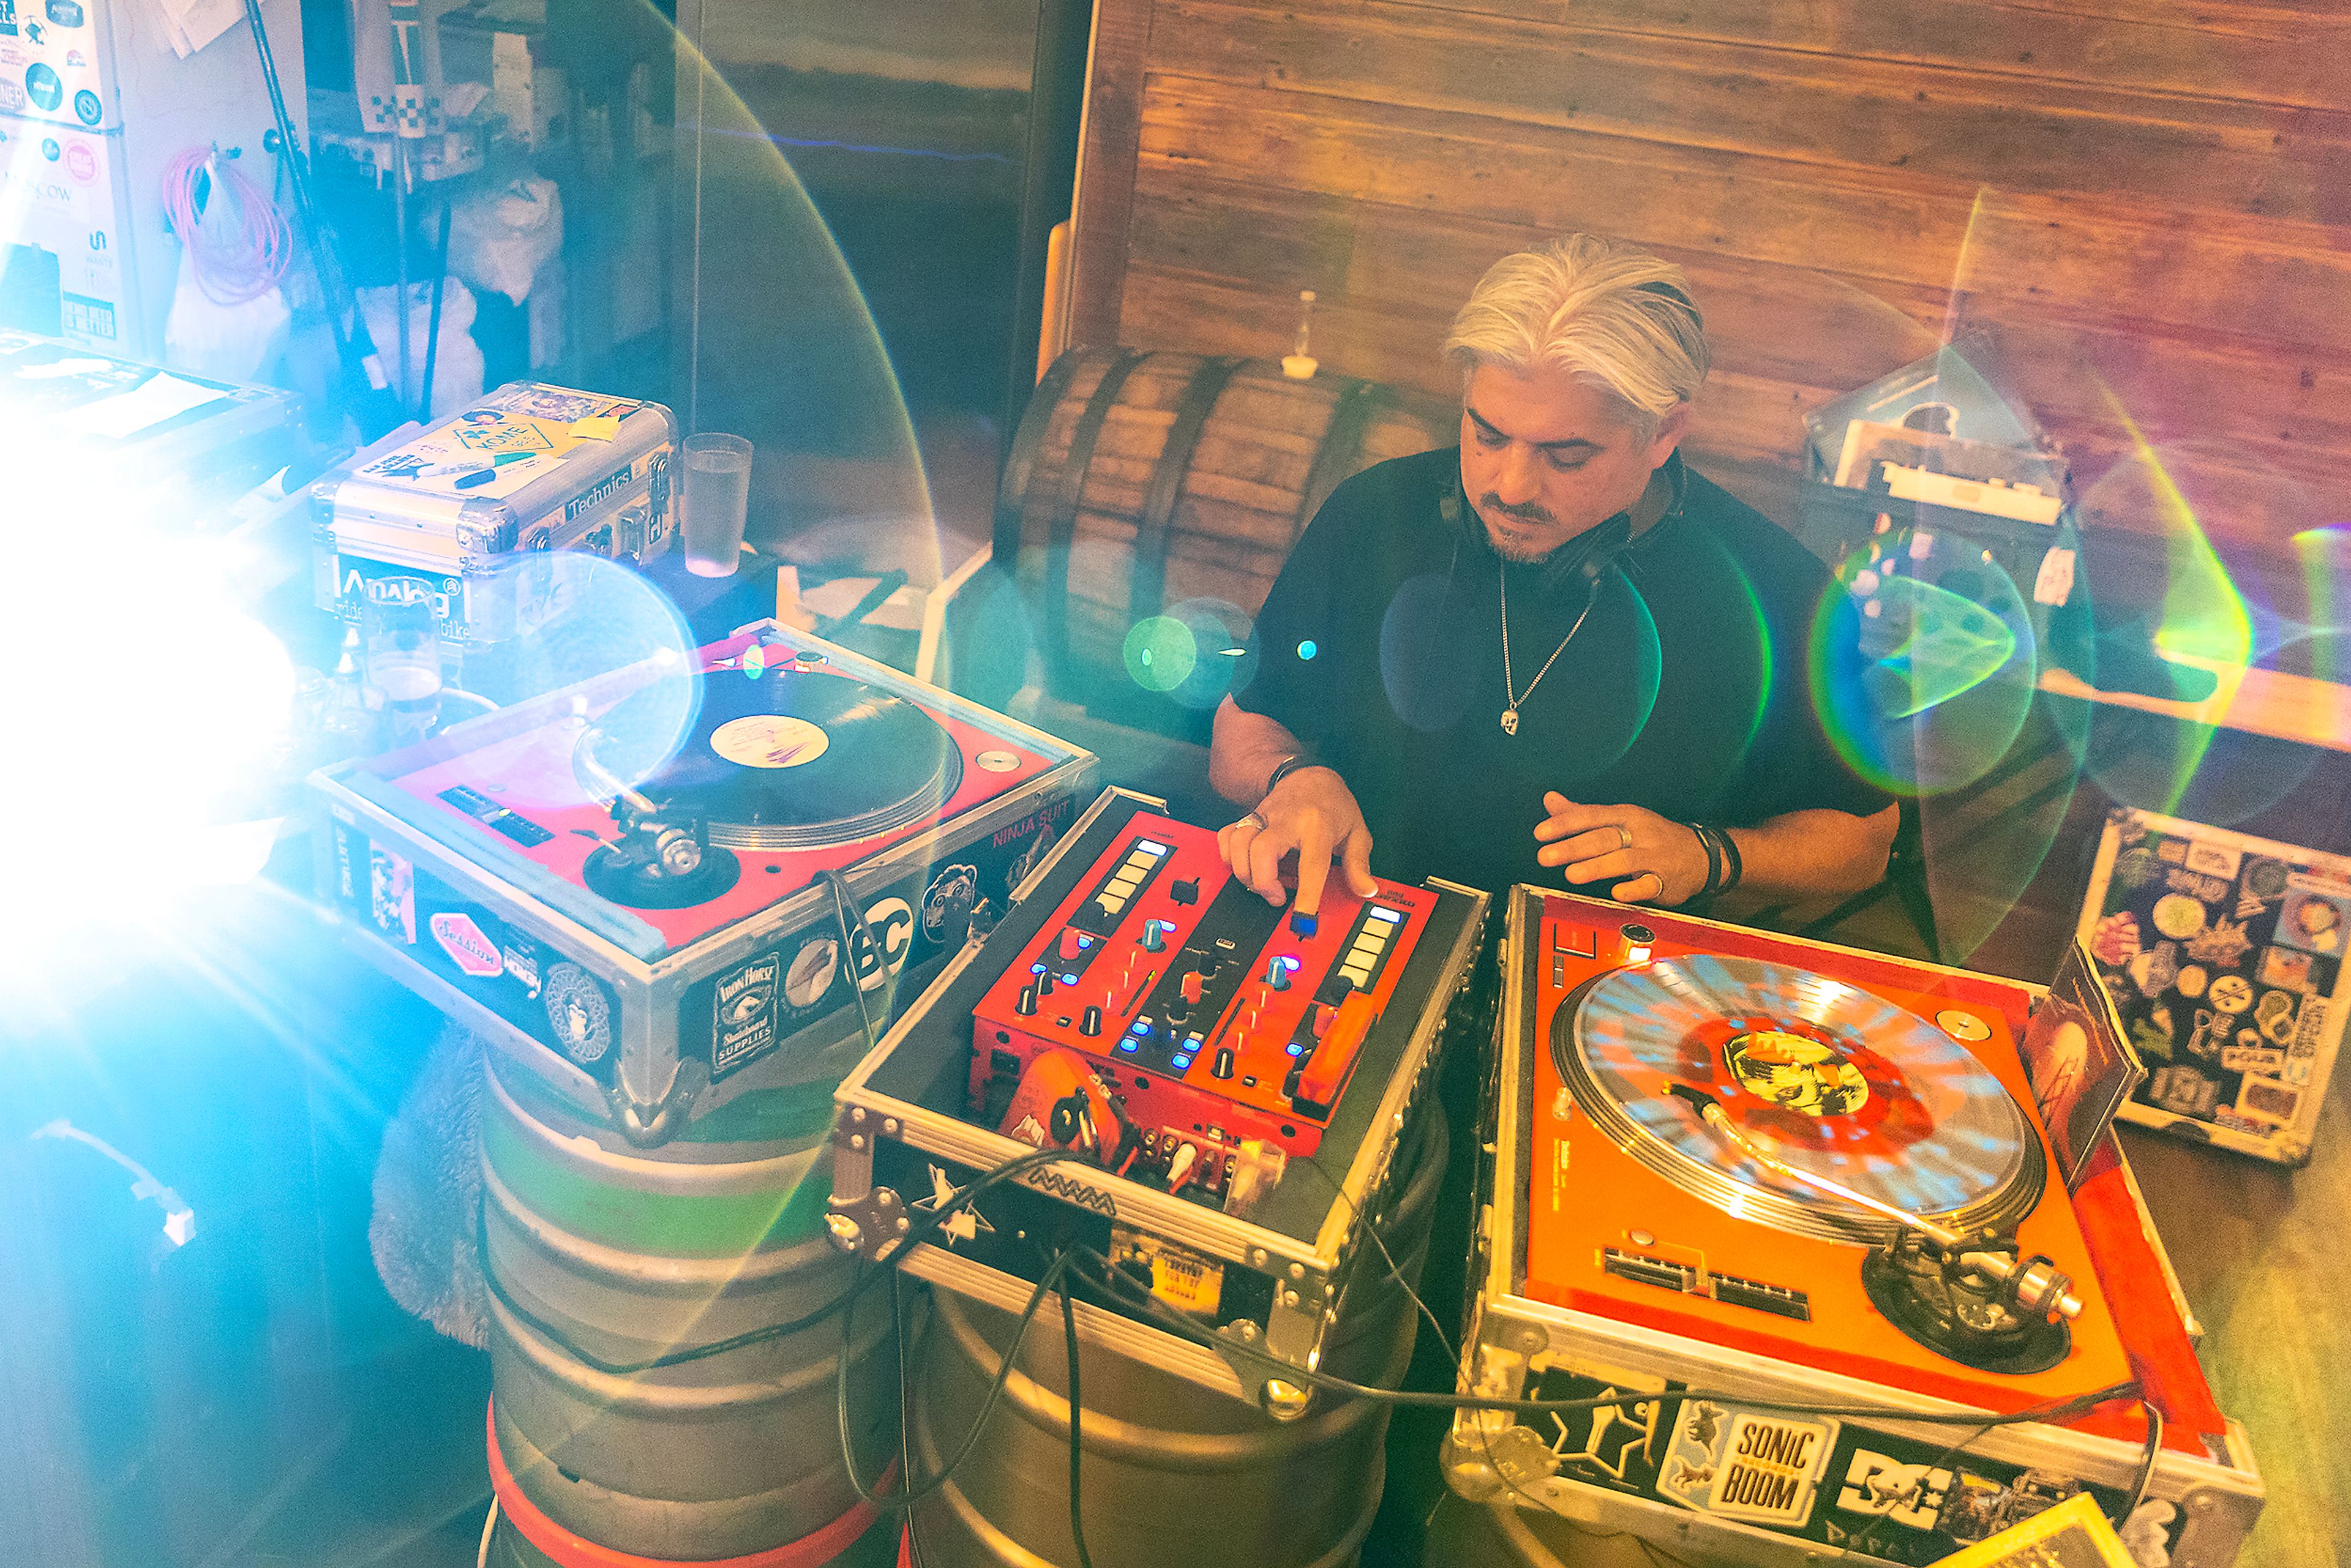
1556, 654
1553, 655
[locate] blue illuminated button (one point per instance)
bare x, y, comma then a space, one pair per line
1306, 649
1181, 1063
1128, 1044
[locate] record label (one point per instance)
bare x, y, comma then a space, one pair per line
769, 740
792, 759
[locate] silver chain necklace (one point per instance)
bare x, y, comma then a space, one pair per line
1510, 687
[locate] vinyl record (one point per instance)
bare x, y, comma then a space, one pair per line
1828, 1078
793, 758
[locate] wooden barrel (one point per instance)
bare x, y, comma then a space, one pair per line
1173, 1473
1142, 480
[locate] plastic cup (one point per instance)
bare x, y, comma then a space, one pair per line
400, 627
718, 500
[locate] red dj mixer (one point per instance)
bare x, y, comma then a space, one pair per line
1231, 1025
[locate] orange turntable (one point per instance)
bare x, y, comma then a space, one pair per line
1734, 1175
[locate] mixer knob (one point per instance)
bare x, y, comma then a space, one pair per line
1090, 1024
1155, 936
1191, 987
1223, 1065
1277, 974
1026, 1003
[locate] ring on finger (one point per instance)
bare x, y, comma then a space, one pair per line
1623, 836
1251, 820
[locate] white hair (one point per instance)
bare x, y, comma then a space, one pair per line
1614, 318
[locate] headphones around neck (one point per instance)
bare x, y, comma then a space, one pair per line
1590, 557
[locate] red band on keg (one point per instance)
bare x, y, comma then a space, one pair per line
810, 1551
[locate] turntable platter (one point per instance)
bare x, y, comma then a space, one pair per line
1831, 1079
796, 758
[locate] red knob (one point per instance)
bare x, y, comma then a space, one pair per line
1191, 987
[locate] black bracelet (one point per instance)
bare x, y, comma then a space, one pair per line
1713, 860
1288, 765
1724, 865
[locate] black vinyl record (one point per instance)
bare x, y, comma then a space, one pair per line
792, 759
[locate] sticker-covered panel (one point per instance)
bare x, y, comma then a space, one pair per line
533, 987
495, 792
749, 1008
1819, 1479
2223, 956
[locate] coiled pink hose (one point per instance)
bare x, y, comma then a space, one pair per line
244, 267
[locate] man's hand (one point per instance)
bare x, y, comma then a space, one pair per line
1313, 813
1658, 860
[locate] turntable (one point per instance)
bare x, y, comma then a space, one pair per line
642, 911
1770, 1172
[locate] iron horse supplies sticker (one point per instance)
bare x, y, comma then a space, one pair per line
1746, 1464
745, 1011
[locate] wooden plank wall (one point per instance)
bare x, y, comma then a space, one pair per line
2149, 200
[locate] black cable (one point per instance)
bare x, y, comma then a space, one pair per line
905, 1417
1109, 1279
355, 348
852, 926
1396, 1269
2153, 1451
433, 317
920, 1231
1076, 1437
912, 1493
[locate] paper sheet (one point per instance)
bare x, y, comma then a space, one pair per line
58, 369
160, 397
193, 23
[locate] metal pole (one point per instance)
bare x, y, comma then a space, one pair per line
400, 256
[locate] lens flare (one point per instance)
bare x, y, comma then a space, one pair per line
2181, 631
164, 732
1946, 667
1161, 654
588, 632
2321, 645
782, 347
1197, 653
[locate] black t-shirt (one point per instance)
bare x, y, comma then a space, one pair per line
1690, 687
